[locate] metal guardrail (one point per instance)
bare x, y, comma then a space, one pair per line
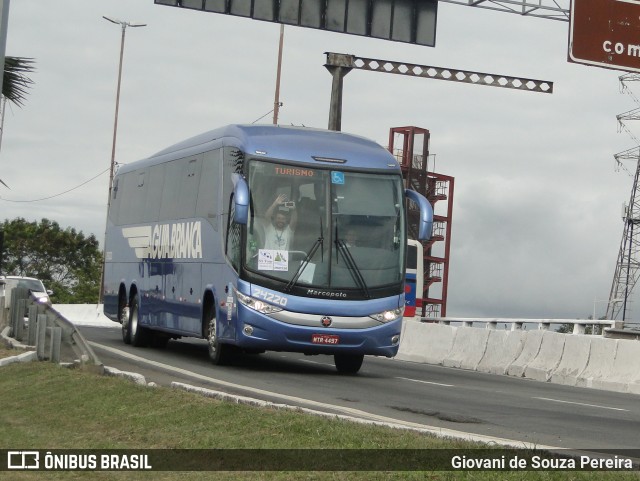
54, 337
579, 325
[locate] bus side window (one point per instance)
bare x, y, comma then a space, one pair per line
132, 193
154, 192
170, 203
114, 205
189, 182
207, 203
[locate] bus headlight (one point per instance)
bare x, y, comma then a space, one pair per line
388, 316
256, 304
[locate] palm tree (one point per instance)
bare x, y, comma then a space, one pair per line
15, 84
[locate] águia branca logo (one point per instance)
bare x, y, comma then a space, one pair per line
179, 240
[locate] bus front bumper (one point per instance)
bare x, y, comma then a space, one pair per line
258, 331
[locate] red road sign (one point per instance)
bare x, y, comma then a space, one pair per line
605, 33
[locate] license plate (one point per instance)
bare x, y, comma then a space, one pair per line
325, 339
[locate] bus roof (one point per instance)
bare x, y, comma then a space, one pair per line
287, 143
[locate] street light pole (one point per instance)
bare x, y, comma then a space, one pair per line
124, 26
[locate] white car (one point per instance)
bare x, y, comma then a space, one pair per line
35, 286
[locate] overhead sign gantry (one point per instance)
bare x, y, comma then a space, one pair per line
410, 21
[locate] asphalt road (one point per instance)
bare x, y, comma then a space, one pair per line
522, 410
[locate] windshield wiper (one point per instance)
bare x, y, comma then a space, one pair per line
342, 248
319, 242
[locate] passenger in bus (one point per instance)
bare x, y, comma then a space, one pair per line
278, 233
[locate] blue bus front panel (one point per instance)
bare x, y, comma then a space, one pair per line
316, 326
272, 335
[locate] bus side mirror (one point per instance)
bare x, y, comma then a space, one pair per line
425, 223
241, 199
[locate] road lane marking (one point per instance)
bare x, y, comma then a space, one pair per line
580, 404
352, 414
425, 382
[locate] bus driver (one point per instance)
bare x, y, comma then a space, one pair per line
278, 233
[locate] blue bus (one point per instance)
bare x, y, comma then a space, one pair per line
262, 238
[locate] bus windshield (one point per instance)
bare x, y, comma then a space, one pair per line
324, 229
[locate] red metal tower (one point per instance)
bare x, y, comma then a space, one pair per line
413, 157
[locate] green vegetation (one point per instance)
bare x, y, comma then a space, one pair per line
45, 406
15, 81
65, 260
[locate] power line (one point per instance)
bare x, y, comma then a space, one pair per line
56, 195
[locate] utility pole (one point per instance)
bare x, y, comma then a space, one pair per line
627, 269
4, 25
276, 101
1, 249
339, 65
124, 26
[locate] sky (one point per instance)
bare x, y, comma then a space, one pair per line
537, 206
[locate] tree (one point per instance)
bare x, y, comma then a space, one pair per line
65, 260
15, 82
589, 328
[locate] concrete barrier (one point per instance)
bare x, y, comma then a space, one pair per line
427, 343
530, 349
503, 348
601, 358
27, 356
575, 358
469, 346
548, 358
625, 370
85, 315
585, 361
132, 376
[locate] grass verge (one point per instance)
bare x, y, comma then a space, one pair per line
6, 352
44, 406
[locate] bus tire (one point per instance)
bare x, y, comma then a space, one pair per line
348, 363
124, 319
139, 335
219, 353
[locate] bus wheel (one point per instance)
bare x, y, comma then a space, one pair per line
348, 363
138, 334
219, 353
124, 318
